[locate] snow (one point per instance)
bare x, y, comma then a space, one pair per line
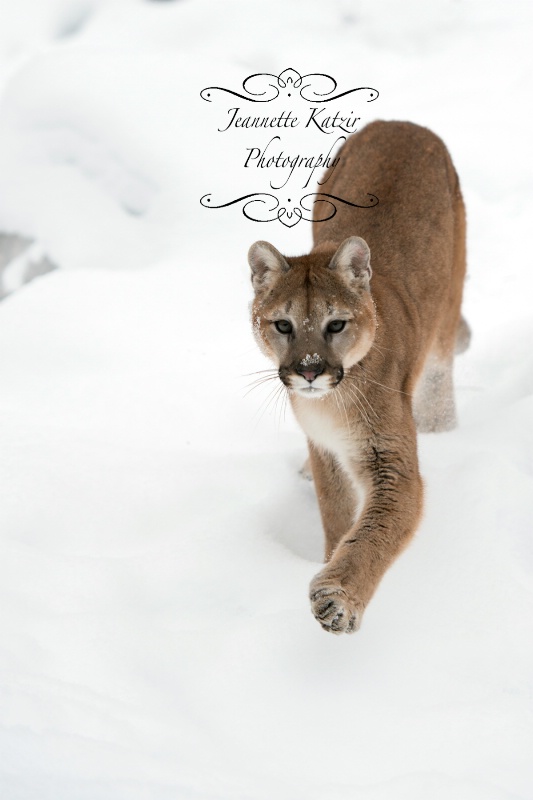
310, 359
156, 539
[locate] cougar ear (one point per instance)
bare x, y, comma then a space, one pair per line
267, 265
352, 261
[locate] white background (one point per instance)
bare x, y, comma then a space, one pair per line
156, 540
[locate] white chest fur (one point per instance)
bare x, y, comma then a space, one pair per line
322, 425
328, 432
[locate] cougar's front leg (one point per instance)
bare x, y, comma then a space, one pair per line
336, 497
341, 591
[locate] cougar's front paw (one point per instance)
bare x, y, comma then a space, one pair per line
305, 471
333, 607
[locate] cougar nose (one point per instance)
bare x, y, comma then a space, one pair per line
310, 372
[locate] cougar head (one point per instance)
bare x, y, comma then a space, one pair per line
313, 315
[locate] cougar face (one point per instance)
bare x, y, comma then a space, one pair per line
313, 316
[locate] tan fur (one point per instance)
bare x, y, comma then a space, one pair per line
359, 393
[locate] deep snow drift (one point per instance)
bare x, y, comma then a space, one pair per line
156, 539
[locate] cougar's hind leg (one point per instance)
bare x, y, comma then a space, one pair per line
434, 402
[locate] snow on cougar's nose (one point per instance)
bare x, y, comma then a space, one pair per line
310, 366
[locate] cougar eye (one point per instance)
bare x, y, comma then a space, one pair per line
283, 326
336, 326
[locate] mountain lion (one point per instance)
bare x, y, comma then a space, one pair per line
366, 353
